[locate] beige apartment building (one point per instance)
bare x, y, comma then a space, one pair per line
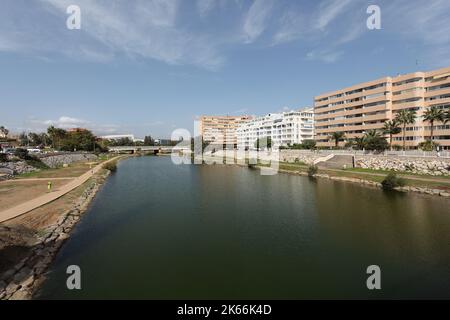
369, 105
221, 130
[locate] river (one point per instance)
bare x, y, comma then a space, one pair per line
162, 231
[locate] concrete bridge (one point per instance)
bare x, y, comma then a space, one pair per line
154, 149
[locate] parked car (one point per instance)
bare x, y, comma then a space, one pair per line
34, 150
9, 150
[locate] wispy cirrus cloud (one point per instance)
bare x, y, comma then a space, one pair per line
256, 19
426, 24
161, 30
329, 10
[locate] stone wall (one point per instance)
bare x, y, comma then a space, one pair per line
298, 156
429, 166
57, 160
418, 165
16, 167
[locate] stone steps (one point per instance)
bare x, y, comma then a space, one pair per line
338, 162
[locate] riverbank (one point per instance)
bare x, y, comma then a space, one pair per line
418, 184
30, 242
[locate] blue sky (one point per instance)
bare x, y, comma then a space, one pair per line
149, 67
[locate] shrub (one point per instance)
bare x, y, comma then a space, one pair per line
21, 153
428, 145
252, 162
111, 166
312, 170
309, 144
392, 181
35, 162
3, 157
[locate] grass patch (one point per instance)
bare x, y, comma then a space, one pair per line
372, 175
73, 170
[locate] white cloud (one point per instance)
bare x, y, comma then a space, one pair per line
66, 122
157, 29
292, 27
329, 11
256, 19
142, 29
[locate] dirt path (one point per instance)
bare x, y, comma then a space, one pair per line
44, 199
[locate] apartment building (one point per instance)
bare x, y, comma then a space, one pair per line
283, 128
369, 105
221, 130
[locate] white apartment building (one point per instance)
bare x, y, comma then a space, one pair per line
285, 128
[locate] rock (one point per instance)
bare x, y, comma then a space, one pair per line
20, 295
27, 282
12, 287
22, 274
444, 194
2, 285
21, 264
8, 274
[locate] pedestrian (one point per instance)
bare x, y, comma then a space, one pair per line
49, 186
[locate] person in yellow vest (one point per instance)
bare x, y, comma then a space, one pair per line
49, 186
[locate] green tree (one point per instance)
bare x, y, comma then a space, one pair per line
79, 140
337, 136
35, 139
45, 139
391, 128
447, 116
431, 115
405, 117
428, 145
373, 140
23, 139
263, 142
308, 144
57, 135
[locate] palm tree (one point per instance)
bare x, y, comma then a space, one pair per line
447, 117
391, 128
337, 136
405, 117
372, 133
431, 115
